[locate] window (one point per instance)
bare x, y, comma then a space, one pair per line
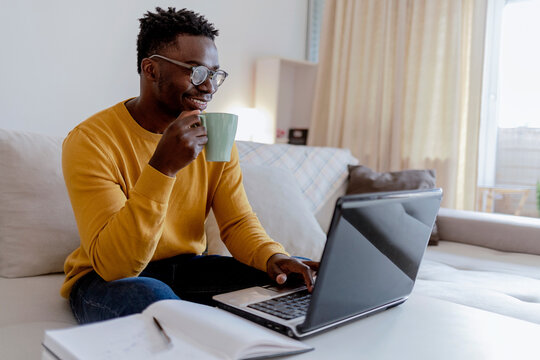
509, 163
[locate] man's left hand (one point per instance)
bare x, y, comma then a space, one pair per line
279, 266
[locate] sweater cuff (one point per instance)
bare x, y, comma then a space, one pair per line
154, 185
266, 253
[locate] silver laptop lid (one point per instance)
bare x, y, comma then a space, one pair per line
374, 248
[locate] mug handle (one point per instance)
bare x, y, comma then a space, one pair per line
203, 119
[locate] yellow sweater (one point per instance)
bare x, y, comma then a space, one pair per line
129, 214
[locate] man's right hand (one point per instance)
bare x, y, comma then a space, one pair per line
181, 143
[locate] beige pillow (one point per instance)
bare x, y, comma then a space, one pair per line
282, 210
364, 180
38, 229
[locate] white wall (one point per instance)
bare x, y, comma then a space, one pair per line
63, 60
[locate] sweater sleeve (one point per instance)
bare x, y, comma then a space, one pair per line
240, 228
119, 231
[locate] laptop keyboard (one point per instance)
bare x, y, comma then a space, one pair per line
285, 307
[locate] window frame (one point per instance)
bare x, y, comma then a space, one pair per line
489, 115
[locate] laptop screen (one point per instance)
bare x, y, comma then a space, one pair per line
374, 248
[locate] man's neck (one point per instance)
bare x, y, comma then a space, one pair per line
148, 115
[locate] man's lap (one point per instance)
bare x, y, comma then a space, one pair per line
189, 277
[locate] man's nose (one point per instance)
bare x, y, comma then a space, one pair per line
208, 86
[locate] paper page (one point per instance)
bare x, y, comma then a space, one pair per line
132, 337
228, 335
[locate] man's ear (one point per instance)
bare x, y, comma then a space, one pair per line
149, 69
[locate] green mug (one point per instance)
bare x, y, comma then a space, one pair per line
221, 130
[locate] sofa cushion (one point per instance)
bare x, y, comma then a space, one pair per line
34, 299
365, 180
319, 171
502, 282
29, 306
282, 210
37, 222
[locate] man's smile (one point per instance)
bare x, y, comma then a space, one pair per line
197, 103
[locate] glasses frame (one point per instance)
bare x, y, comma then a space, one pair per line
210, 73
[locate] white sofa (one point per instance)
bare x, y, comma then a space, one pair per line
483, 260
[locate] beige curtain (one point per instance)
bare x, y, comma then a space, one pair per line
399, 84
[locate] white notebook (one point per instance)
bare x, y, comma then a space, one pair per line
189, 331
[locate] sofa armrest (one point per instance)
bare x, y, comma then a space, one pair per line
496, 231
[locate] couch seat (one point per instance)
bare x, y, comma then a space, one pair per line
29, 306
501, 282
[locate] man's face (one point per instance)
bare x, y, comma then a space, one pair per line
175, 92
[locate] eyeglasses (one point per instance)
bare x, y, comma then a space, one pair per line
199, 73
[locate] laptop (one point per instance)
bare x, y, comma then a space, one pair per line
373, 251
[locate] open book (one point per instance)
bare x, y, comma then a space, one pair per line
188, 331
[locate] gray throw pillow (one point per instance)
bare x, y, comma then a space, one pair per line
365, 180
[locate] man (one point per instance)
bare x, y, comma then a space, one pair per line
141, 188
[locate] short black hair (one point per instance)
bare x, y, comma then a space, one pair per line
160, 29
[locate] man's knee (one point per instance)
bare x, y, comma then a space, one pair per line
102, 300
139, 292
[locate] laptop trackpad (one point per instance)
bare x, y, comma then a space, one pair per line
254, 294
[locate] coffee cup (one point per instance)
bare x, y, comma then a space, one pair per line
221, 130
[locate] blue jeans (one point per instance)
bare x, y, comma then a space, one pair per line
188, 277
